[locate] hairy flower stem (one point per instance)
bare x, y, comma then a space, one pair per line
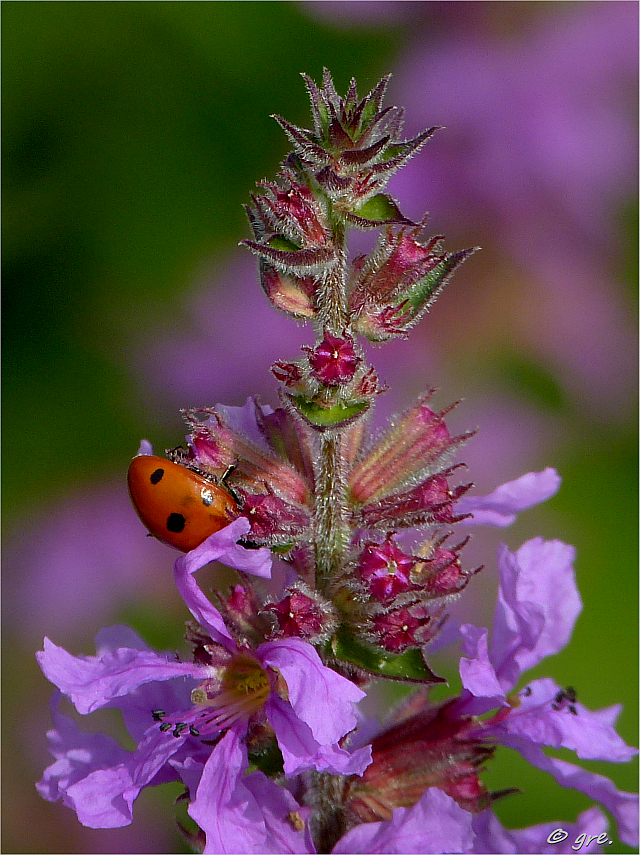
330, 522
332, 299
325, 796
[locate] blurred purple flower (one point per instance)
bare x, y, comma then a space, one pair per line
83, 560
542, 147
221, 354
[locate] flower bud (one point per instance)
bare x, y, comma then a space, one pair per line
214, 442
289, 293
273, 519
385, 570
424, 750
415, 445
302, 614
432, 501
334, 361
399, 629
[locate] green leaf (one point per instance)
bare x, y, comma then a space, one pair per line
327, 417
409, 666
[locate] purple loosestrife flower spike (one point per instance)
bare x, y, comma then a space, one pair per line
259, 720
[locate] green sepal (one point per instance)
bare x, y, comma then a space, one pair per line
395, 150
379, 210
427, 289
283, 243
327, 417
282, 548
408, 666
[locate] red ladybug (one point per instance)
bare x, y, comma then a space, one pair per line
178, 506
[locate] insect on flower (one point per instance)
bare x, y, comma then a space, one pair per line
179, 507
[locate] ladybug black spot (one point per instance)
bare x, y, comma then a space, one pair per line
156, 476
175, 523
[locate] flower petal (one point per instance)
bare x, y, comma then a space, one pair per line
92, 682
145, 449
538, 604
223, 807
477, 673
243, 421
586, 733
622, 806
104, 798
278, 806
491, 836
321, 698
436, 824
300, 750
223, 546
501, 507
200, 607
77, 754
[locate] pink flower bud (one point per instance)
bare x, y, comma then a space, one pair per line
427, 749
415, 444
289, 293
334, 360
432, 501
271, 517
301, 615
385, 569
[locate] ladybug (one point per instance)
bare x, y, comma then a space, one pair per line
178, 506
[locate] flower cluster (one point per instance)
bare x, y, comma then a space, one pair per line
346, 558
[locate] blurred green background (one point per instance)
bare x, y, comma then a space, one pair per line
133, 133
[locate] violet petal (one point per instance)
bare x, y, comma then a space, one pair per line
435, 824
321, 698
538, 604
223, 546
300, 750
92, 682
501, 507
491, 836
622, 806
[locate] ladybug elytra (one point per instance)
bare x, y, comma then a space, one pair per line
178, 506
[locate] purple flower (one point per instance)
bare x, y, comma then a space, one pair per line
175, 709
537, 607
319, 709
